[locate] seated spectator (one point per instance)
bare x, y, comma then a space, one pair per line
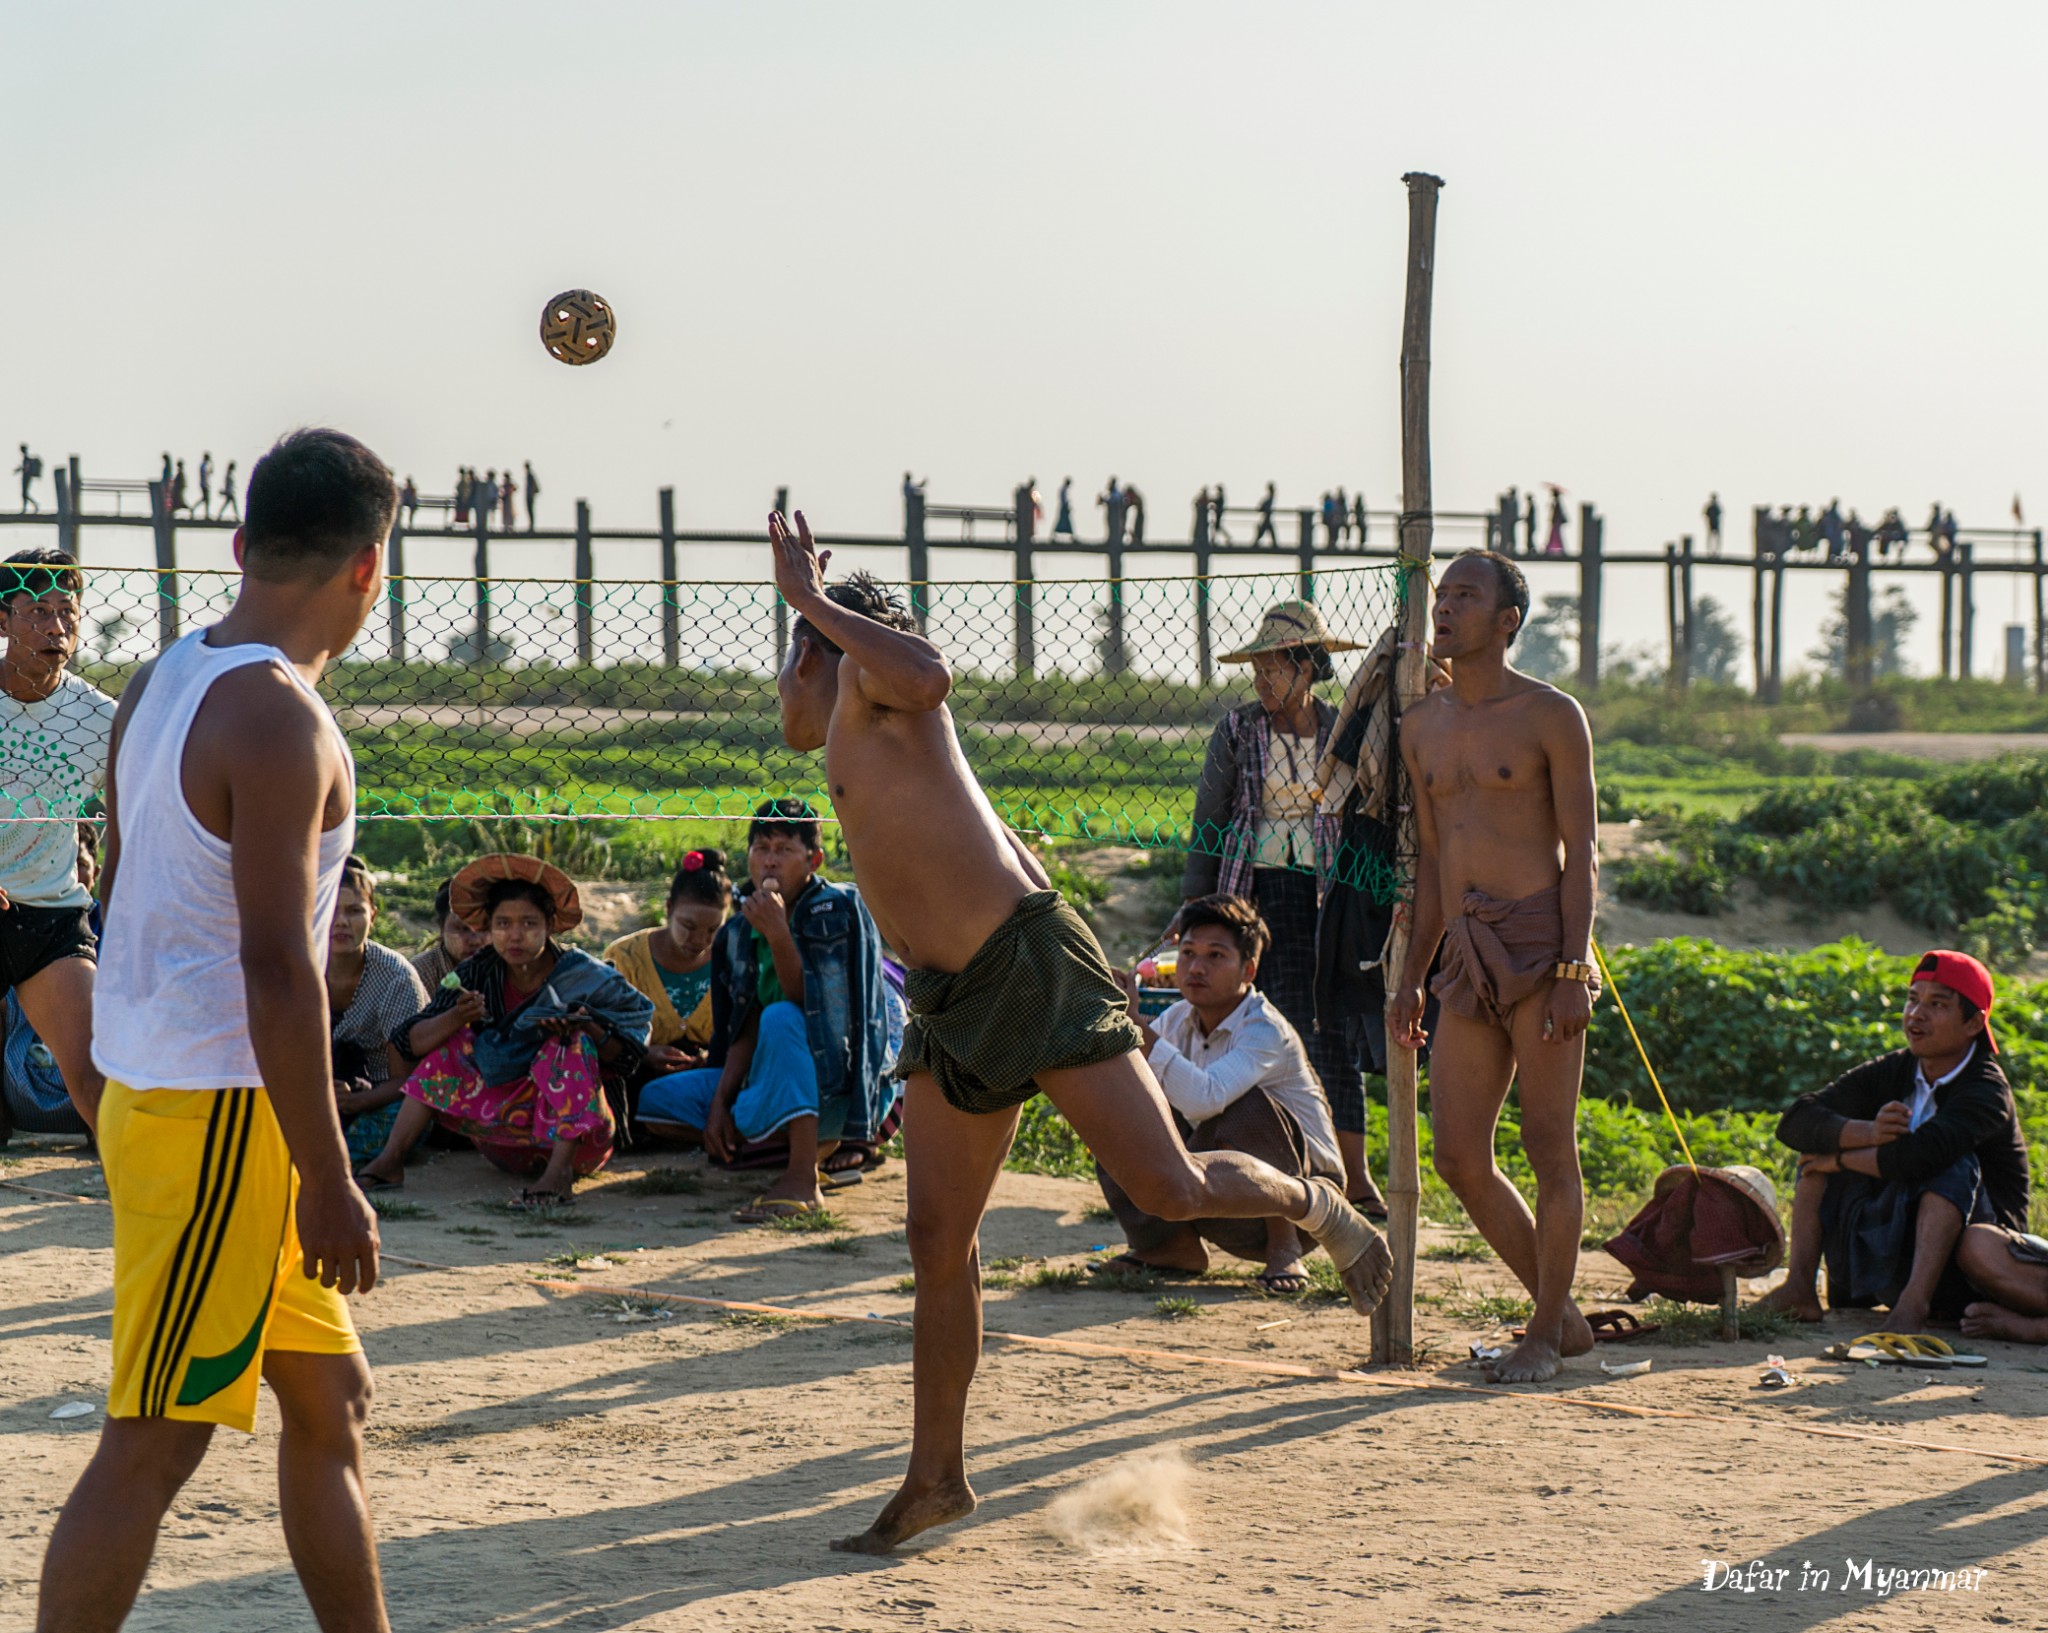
799, 1039
670, 964
453, 941
371, 991
1902, 1153
512, 1052
2010, 1269
1238, 1079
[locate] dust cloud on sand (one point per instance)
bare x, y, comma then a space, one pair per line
1135, 1503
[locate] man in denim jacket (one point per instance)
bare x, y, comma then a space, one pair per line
799, 1041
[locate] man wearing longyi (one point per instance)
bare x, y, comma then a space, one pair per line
237, 1230
1008, 994
1501, 769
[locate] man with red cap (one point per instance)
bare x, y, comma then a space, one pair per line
1900, 1155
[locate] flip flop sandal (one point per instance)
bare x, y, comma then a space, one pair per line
839, 1179
763, 1209
367, 1183
1618, 1326
1282, 1285
1609, 1327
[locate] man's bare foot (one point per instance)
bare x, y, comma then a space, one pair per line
910, 1511
1578, 1334
1284, 1273
1985, 1320
796, 1185
1533, 1361
1176, 1258
1801, 1304
1908, 1315
1365, 1264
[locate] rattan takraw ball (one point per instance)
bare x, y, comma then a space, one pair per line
577, 326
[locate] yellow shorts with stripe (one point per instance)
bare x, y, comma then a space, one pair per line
207, 1269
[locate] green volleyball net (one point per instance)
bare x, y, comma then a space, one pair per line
1084, 707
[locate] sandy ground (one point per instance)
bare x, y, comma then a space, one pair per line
538, 1463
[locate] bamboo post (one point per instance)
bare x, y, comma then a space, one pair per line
586, 589
1674, 634
480, 570
1756, 598
917, 554
1948, 608
2040, 624
1024, 607
1966, 629
1305, 553
165, 526
1592, 540
782, 606
1856, 625
67, 511
1688, 628
1777, 630
394, 585
671, 612
1393, 1326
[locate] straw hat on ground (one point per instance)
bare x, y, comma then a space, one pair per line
466, 893
1290, 624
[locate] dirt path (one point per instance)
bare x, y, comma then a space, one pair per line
538, 1463
1950, 747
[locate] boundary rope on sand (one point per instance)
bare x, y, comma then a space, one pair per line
1231, 1363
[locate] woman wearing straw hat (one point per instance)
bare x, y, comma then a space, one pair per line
511, 1049
1258, 834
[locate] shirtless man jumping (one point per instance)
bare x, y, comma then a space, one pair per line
1008, 994
1502, 769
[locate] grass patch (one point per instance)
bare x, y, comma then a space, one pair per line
394, 1207
1178, 1307
998, 1281
756, 1319
1125, 1278
1479, 1307
1689, 1324
1097, 1213
662, 1182
540, 1230
808, 1223
581, 1258
1058, 1278
1464, 1250
482, 1233
838, 1242
908, 1284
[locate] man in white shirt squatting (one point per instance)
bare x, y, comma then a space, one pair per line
1238, 1079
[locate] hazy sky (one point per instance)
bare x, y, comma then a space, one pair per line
1787, 252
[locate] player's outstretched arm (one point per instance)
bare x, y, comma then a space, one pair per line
898, 669
277, 801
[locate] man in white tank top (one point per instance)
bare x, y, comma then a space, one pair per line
237, 1228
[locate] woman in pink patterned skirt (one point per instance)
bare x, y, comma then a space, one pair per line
512, 1048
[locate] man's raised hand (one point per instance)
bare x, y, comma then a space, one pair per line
799, 567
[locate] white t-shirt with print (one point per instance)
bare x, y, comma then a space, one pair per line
53, 760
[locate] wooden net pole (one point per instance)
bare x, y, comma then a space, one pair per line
1393, 1333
